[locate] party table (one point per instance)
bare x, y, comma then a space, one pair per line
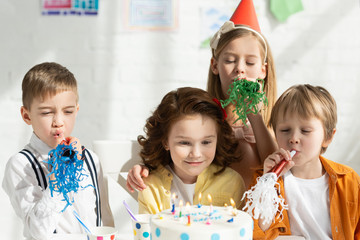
84, 237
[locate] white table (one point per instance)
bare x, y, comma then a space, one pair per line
130, 237
288, 238
84, 237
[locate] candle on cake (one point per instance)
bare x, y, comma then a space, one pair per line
180, 206
210, 201
234, 210
199, 204
173, 204
228, 208
161, 208
187, 206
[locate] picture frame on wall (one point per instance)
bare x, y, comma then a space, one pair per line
151, 15
69, 7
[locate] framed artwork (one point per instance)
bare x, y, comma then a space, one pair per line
151, 14
69, 7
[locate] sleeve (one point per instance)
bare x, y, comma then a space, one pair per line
149, 199
277, 227
357, 228
37, 209
106, 214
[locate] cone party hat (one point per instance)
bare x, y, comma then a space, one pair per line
245, 14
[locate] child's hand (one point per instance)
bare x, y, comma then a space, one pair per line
134, 179
75, 142
273, 159
76, 145
260, 105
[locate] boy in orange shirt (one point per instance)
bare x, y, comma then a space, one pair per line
323, 196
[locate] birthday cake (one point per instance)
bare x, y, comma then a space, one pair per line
205, 223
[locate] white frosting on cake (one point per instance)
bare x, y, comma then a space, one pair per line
222, 224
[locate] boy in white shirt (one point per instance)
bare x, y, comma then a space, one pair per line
50, 106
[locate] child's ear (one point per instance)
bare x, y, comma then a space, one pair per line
25, 115
327, 142
166, 145
263, 71
214, 66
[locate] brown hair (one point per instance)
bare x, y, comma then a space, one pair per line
270, 87
173, 107
46, 79
307, 101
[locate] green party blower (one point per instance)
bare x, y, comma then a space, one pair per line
246, 96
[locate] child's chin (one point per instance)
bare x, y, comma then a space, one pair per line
54, 143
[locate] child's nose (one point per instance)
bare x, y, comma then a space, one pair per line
294, 139
195, 152
57, 120
240, 70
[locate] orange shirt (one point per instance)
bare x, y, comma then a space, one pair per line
344, 196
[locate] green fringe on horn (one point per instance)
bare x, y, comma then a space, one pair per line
245, 95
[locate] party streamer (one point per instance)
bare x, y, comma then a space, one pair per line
245, 96
68, 170
263, 200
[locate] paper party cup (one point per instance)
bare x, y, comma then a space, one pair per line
102, 233
141, 227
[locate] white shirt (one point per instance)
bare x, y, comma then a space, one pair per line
309, 206
182, 190
40, 213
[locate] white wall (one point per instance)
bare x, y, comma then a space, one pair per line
123, 74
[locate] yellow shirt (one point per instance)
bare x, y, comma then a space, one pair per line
344, 194
221, 187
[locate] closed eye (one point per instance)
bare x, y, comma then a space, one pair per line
45, 113
184, 143
284, 130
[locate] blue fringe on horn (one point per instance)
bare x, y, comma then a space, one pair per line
68, 172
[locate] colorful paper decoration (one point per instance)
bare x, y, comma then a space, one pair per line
282, 9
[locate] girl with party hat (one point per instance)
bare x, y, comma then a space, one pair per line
239, 51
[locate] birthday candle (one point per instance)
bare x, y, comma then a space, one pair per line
211, 206
173, 204
234, 211
187, 206
199, 204
180, 206
161, 208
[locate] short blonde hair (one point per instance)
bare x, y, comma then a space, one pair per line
47, 79
270, 86
307, 101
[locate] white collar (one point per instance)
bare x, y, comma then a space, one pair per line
39, 145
